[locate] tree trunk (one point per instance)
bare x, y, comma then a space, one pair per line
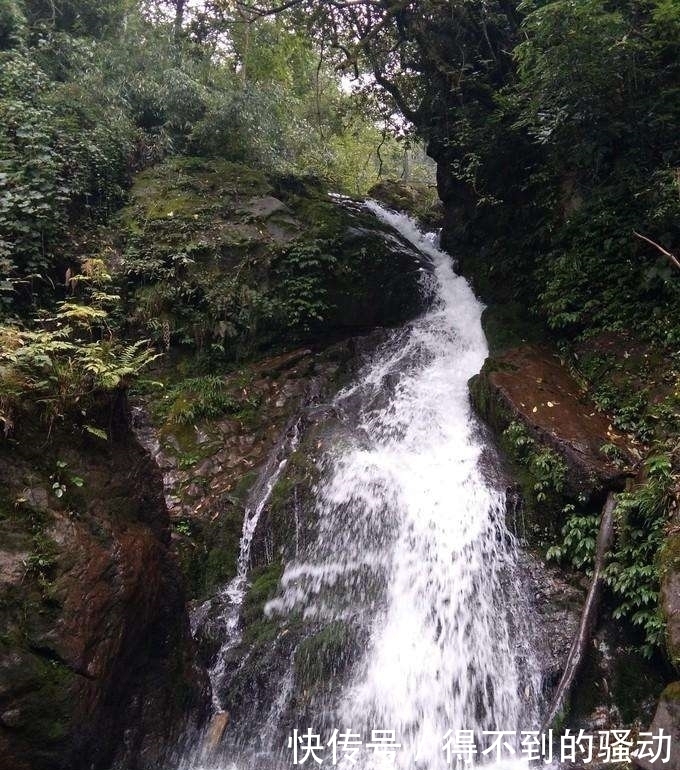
589, 615
179, 17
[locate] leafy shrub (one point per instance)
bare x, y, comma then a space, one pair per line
633, 572
69, 355
547, 470
55, 370
58, 148
303, 273
579, 540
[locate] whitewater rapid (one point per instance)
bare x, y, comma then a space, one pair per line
412, 544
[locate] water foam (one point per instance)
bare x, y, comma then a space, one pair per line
412, 542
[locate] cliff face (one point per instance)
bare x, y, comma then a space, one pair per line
258, 287
96, 655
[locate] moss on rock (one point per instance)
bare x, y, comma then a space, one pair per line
213, 260
551, 433
324, 656
418, 200
669, 569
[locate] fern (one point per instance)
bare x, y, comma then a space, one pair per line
51, 368
113, 366
200, 397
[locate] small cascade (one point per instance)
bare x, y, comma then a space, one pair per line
226, 605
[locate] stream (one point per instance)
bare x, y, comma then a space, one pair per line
411, 553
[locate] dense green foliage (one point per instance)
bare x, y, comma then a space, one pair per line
545, 469
90, 94
554, 125
633, 570
602, 103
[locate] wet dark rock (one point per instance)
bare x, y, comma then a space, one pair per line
272, 649
220, 458
556, 599
669, 559
617, 687
666, 718
96, 659
265, 207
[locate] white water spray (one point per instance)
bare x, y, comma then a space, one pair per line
408, 503
412, 544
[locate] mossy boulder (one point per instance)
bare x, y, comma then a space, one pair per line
417, 199
263, 587
617, 685
221, 258
669, 568
666, 718
259, 661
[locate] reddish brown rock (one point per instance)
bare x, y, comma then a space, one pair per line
216, 730
531, 386
96, 659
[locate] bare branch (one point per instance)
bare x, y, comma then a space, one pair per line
671, 257
405, 109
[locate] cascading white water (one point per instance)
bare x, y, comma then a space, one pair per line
412, 544
232, 595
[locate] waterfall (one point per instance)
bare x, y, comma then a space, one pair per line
412, 551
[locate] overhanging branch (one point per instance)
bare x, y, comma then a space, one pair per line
669, 256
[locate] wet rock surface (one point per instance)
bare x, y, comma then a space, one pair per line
210, 465
556, 599
616, 688
670, 588
96, 659
666, 718
268, 652
529, 385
